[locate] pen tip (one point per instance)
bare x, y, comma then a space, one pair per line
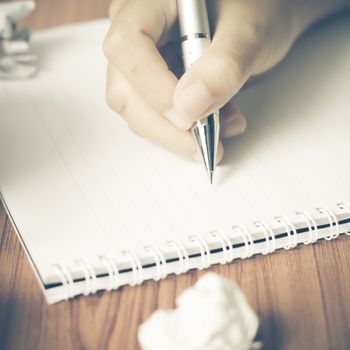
211, 177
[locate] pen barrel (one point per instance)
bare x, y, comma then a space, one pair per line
193, 17
194, 29
195, 37
192, 49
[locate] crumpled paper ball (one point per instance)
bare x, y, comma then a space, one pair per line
15, 60
212, 315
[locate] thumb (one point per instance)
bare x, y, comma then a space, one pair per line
215, 77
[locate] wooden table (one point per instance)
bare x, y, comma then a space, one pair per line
302, 296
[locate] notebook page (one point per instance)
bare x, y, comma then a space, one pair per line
78, 183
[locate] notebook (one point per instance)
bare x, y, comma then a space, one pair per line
97, 207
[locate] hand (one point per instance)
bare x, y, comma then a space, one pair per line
143, 50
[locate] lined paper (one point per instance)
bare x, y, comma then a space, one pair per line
79, 183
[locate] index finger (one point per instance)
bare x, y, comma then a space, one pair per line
130, 46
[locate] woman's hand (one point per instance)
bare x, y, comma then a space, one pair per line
143, 50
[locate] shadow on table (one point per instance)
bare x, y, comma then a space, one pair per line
270, 332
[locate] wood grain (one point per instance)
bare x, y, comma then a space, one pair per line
302, 296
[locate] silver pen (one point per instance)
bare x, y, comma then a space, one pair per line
195, 38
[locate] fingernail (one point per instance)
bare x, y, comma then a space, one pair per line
173, 116
234, 126
194, 100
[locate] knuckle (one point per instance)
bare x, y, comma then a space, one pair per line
118, 35
254, 30
116, 97
113, 42
134, 126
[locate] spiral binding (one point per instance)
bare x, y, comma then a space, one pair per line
204, 251
332, 221
312, 234
182, 254
90, 276
311, 226
344, 206
66, 280
159, 260
247, 238
287, 224
268, 233
113, 272
226, 246
136, 266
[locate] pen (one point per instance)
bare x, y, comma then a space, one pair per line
195, 38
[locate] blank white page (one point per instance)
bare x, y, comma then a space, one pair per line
78, 183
